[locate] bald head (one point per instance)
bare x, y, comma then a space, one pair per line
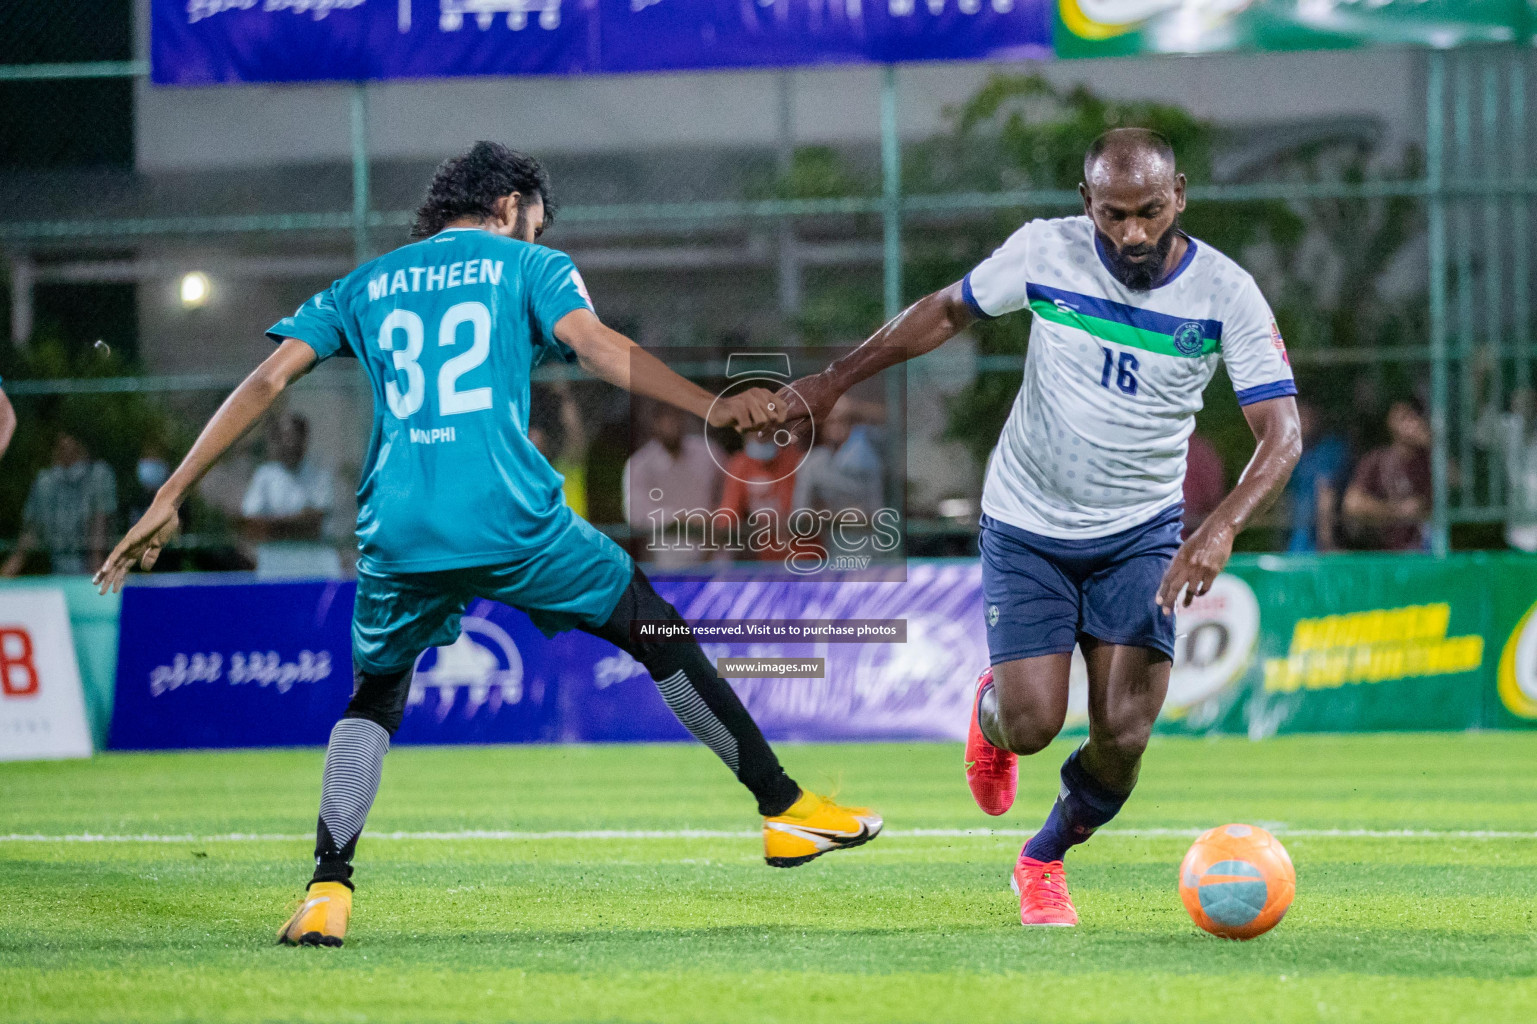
1134, 195
1129, 152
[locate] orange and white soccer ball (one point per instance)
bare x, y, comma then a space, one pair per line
1237, 881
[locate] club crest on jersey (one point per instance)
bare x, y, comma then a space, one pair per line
992, 615
1187, 338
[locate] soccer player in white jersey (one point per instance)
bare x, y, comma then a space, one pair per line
1081, 508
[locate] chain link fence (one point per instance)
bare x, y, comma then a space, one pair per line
1394, 269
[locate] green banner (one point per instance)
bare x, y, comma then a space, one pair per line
1352, 643
1117, 28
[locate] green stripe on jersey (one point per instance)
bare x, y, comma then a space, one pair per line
1117, 333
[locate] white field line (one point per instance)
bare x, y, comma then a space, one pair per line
689, 833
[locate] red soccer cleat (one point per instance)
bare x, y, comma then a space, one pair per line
1043, 898
992, 773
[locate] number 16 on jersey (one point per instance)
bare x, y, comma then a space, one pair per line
1123, 367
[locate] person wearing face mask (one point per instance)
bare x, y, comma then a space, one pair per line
843, 473
760, 481
68, 511
150, 472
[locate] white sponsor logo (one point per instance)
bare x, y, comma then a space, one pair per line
197, 10
451, 13
264, 668
484, 662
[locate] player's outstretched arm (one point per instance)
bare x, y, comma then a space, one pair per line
917, 330
610, 356
240, 411
7, 422
1200, 559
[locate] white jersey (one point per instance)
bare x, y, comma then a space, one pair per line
1095, 443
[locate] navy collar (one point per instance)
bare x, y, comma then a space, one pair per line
1185, 261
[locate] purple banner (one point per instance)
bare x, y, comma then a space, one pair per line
208, 42
268, 664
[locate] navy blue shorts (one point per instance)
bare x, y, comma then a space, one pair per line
1040, 593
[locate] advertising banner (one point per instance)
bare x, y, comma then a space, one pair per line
1118, 28
207, 42
42, 708
270, 664
1280, 644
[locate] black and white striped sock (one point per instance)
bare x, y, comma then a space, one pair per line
690, 707
354, 760
704, 702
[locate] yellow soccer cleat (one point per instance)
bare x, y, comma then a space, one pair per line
322, 920
813, 826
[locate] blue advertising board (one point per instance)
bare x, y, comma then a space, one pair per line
268, 664
208, 42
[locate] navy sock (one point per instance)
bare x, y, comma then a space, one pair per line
1083, 806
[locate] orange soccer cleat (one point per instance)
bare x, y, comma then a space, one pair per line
991, 772
1043, 898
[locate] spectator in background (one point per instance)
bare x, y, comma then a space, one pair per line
761, 478
1314, 490
1388, 500
7, 421
1511, 438
670, 476
69, 512
843, 472
152, 470
286, 505
1205, 482
568, 454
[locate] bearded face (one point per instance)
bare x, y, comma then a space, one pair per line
1138, 267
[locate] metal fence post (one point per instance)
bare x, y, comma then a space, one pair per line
891, 192
1435, 154
891, 225
361, 250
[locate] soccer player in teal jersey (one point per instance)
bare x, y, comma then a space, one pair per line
456, 503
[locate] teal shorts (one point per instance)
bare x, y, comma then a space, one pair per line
575, 582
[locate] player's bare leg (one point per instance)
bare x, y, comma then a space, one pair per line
1127, 686
1019, 707
1025, 710
1027, 703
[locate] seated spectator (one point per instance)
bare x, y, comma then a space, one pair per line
564, 446
761, 478
1314, 489
1205, 482
286, 505
68, 513
1512, 438
1388, 500
844, 471
670, 476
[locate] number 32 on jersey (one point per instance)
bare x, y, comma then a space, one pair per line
1123, 367
407, 350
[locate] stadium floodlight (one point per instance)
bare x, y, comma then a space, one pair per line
195, 289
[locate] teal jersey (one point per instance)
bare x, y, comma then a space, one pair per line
448, 330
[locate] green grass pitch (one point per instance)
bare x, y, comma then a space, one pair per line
177, 924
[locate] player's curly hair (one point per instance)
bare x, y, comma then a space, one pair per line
469, 185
